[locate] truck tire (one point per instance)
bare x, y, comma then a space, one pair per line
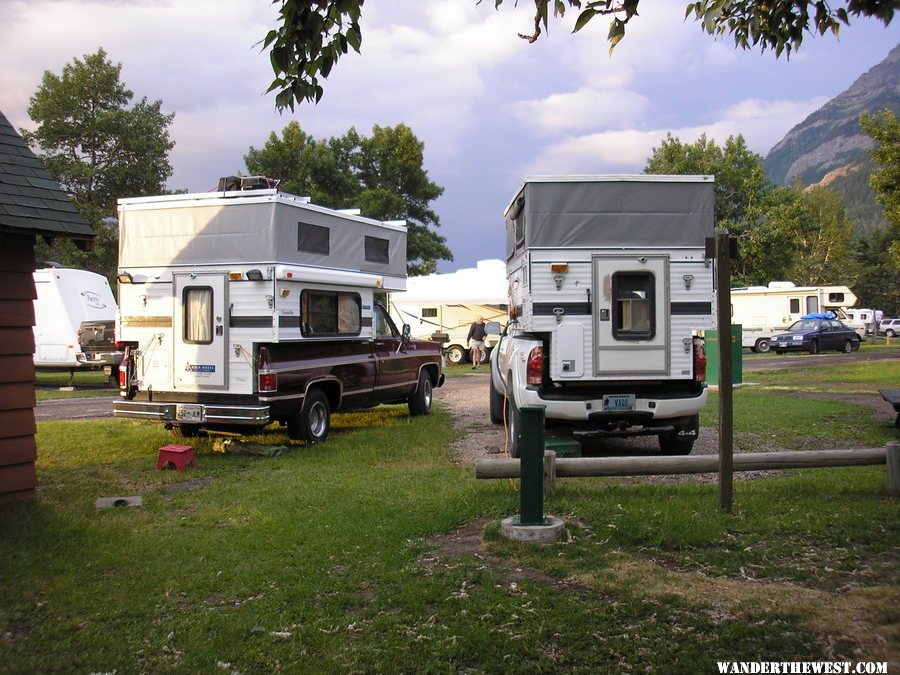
512, 429
313, 421
496, 404
763, 346
420, 402
456, 354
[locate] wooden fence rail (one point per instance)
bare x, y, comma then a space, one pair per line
564, 467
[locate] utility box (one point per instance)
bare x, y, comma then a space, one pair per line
711, 341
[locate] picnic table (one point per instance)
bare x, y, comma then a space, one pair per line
892, 396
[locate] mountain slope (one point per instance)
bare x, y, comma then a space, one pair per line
830, 138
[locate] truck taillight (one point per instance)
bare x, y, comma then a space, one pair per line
535, 371
123, 377
268, 382
699, 361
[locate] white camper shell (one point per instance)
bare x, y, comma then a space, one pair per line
764, 311
205, 279
66, 298
442, 307
608, 278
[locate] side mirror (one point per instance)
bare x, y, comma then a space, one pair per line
406, 331
492, 327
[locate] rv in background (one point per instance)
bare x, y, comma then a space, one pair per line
441, 307
870, 318
764, 311
66, 299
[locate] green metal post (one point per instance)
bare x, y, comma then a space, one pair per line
531, 453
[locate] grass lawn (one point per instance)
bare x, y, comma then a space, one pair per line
85, 383
342, 557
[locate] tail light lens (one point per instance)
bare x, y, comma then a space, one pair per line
699, 361
123, 377
534, 373
268, 382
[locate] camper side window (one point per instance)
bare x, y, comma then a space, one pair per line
795, 305
429, 312
377, 250
634, 312
328, 313
198, 315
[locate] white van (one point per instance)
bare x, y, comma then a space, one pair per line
65, 298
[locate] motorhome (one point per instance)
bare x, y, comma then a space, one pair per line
764, 311
442, 307
610, 289
65, 299
247, 306
870, 318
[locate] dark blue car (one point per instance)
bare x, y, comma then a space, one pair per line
816, 335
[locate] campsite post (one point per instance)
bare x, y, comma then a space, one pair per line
723, 253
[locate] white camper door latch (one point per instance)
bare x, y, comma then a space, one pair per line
559, 311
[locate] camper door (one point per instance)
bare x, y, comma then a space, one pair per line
631, 315
201, 330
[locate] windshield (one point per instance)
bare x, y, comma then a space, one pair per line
803, 326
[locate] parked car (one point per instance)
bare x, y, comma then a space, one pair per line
815, 335
889, 327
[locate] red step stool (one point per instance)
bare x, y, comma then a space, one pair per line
178, 456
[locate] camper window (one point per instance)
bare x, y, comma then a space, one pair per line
795, 305
377, 250
197, 305
633, 309
429, 312
328, 313
812, 304
313, 238
836, 298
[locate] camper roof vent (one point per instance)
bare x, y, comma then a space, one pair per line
781, 284
235, 183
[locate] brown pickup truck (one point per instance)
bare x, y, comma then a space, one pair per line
97, 340
301, 383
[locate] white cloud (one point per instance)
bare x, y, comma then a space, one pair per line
584, 109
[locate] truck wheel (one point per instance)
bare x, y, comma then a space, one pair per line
671, 444
313, 421
185, 430
496, 401
420, 402
512, 429
814, 347
456, 354
763, 346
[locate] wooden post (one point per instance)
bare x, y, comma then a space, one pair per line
549, 473
726, 399
892, 462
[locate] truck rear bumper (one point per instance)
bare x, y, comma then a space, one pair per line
652, 409
192, 413
99, 358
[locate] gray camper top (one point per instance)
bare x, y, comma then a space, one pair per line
615, 211
255, 227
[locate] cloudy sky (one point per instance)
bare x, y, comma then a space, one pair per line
490, 108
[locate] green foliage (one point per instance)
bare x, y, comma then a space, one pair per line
98, 149
884, 129
381, 174
312, 35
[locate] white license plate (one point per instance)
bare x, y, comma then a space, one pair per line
189, 413
618, 403
783, 344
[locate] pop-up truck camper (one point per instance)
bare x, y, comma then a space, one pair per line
247, 306
610, 289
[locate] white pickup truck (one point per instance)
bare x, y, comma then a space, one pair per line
610, 289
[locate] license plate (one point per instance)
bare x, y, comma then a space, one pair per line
189, 413
783, 344
618, 402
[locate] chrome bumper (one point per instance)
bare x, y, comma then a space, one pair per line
99, 358
192, 413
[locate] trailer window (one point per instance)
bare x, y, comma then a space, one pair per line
836, 298
197, 305
812, 304
313, 238
634, 312
429, 312
327, 313
377, 250
795, 305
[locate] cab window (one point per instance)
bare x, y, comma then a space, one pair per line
384, 327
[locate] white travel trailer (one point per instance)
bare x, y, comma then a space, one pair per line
66, 298
870, 318
610, 288
442, 307
764, 311
246, 306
